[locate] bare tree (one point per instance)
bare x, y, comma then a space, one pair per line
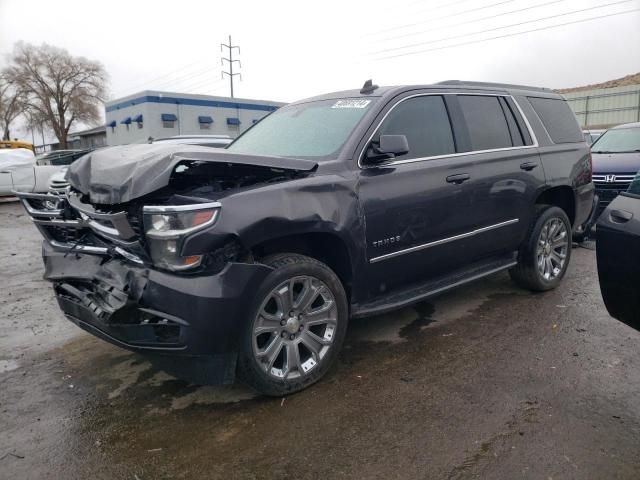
11, 105
58, 87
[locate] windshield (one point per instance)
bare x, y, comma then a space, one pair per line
618, 140
310, 130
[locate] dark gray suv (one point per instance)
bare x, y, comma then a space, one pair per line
252, 259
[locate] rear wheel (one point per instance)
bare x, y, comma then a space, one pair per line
297, 326
544, 256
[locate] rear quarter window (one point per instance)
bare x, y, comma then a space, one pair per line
558, 119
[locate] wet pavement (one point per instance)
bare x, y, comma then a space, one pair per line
488, 381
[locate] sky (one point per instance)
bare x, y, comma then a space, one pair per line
294, 49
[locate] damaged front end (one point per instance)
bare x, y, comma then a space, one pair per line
139, 254
119, 273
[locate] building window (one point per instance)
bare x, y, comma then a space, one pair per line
205, 122
138, 120
126, 122
233, 124
168, 120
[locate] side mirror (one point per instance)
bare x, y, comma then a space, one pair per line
386, 148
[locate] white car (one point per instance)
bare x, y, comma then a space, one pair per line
19, 172
58, 182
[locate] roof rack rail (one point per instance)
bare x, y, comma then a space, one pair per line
492, 84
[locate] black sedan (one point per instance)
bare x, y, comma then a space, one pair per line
618, 253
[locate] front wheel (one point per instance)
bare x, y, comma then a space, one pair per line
544, 256
297, 325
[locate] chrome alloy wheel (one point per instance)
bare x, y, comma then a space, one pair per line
295, 327
553, 245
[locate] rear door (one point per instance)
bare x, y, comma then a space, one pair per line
506, 172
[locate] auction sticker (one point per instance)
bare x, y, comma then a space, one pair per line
351, 104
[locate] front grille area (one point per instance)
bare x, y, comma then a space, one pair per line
610, 185
58, 185
68, 223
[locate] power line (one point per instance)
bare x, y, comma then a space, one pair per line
231, 61
184, 78
422, 22
437, 7
500, 28
202, 84
172, 72
508, 35
198, 89
442, 5
474, 20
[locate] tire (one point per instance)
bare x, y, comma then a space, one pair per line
283, 352
540, 275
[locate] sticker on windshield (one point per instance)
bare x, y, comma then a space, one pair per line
351, 104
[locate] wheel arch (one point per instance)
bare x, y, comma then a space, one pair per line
561, 196
328, 248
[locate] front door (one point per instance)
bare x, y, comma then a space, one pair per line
416, 205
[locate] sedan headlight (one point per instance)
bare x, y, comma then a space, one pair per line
166, 227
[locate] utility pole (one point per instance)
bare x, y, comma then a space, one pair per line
231, 61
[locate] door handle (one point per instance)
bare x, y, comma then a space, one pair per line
458, 178
620, 216
528, 166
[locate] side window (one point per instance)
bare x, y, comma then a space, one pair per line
558, 119
425, 122
514, 129
486, 122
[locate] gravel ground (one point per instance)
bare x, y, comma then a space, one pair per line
488, 381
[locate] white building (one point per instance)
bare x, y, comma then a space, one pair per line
135, 118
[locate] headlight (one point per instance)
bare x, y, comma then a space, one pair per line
166, 227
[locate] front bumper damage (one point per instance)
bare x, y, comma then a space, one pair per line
188, 325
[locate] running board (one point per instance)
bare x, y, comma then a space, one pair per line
420, 292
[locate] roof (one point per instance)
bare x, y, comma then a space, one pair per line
633, 79
90, 131
626, 125
160, 97
448, 85
205, 137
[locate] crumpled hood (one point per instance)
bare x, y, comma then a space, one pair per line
616, 162
120, 174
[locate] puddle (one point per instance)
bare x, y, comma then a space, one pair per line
424, 318
211, 395
400, 325
382, 328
